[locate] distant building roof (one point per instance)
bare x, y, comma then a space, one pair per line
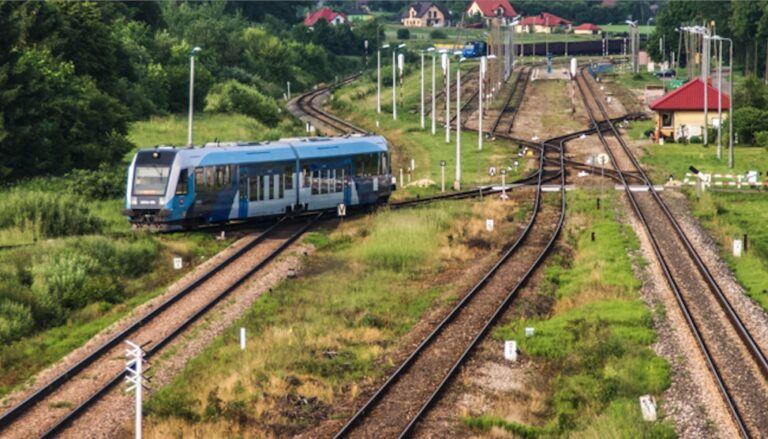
690, 97
588, 26
423, 7
490, 8
544, 19
355, 11
324, 13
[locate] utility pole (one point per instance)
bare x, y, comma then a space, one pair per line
447, 79
481, 80
434, 130
192, 54
421, 79
378, 78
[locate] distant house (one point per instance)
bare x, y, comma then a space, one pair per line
544, 23
425, 14
333, 18
587, 29
680, 113
357, 14
493, 9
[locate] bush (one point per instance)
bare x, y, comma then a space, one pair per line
761, 138
437, 35
234, 97
103, 183
15, 320
747, 121
694, 139
403, 34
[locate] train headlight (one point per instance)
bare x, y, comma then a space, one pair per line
134, 200
161, 201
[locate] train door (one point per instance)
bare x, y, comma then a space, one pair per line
347, 184
243, 191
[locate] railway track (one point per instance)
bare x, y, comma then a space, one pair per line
407, 395
513, 101
736, 360
51, 408
306, 104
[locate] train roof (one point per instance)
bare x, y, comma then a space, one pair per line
222, 153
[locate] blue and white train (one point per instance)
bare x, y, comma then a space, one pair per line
182, 188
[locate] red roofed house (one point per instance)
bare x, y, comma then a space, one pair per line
493, 9
587, 29
326, 14
543, 23
680, 113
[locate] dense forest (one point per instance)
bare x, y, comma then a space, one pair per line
73, 75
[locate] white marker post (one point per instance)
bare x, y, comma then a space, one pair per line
442, 175
446, 63
133, 369
242, 339
503, 173
510, 350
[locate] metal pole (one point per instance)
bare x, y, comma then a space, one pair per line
719, 47
705, 76
139, 384
433, 96
394, 84
447, 77
457, 183
481, 79
421, 78
191, 97
730, 107
378, 81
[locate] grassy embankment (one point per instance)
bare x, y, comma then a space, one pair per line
595, 344
62, 280
726, 216
319, 338
357, 103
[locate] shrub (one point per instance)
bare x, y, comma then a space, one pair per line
15, 320
403, 34
102, 183
761, 138
234, 97
747, 121
694, 139
437, 35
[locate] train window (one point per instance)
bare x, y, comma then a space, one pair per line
307, 177
253, 188
332, 181
280, 182
243, 187
288, 178
199, 179
366, 164
181, 186
322, 181
339, 180
223, 176
263, 187
271, 182
383, 161
210, 178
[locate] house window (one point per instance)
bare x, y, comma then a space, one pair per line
666, 120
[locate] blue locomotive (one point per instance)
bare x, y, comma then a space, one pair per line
475, 49
181, 188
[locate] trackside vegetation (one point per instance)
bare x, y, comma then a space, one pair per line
725, 215
321, 337
594, 345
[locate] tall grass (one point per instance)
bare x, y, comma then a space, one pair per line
43, 214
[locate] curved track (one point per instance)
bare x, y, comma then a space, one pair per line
92, 377
737, 363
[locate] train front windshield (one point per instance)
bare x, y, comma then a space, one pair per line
151, 180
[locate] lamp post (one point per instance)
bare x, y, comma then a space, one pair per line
434, 130
481, 80
446, 64
633, 42
192, 54
421, 79
719, 48
457, 182
378, 78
